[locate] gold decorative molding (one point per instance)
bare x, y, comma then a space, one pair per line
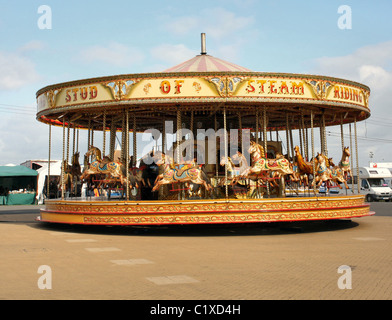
51, 96
226, 86
366, 95
121, 88
320, 88
205, 211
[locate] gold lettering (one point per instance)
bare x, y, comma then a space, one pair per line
297, 88
67, 97
178, 85
355, 95
165, 87
83, 93
75, 93
336, 92
93, 92
250, 88
261, 85
272, 85
284, 87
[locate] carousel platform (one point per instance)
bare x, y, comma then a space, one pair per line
91, 212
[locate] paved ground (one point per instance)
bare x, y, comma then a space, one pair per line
234, 262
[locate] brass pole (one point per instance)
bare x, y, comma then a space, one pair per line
127, 151
50, 149
313, 159
265, 142
356, 150
62, 162
226, 155
134, 135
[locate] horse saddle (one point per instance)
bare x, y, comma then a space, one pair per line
272, 163
181, 168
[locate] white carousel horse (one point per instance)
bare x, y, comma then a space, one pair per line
344, 163
262, 164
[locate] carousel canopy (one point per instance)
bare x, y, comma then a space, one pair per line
203, 85
206, 63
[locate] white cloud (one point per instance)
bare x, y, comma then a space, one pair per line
216, 22
349, 66
32, 45
220, 26
375, 76
183, 25
114, 53
16, 71
372, 66
172, 54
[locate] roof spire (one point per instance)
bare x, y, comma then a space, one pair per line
203, 43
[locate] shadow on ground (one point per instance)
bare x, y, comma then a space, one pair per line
248, 229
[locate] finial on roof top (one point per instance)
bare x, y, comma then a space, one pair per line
203, 43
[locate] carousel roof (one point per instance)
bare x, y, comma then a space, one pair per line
206, 63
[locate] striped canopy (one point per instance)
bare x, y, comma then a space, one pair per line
206, 63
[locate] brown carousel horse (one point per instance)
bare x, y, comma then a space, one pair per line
304, 167
179, 173
76, 170
67, 177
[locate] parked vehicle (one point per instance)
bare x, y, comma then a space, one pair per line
374, 183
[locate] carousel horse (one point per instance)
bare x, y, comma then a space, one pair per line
323, 173
304, 167
238, 190
337, 174
233, 172
179, 173
236, 172
76, 170
104, 166
261, 163
344, 163
138, 173
68, 181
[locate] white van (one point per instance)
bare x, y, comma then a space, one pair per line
373, 183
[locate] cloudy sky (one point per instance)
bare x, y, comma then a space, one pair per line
94, 38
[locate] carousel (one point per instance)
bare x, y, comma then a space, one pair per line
222, 150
